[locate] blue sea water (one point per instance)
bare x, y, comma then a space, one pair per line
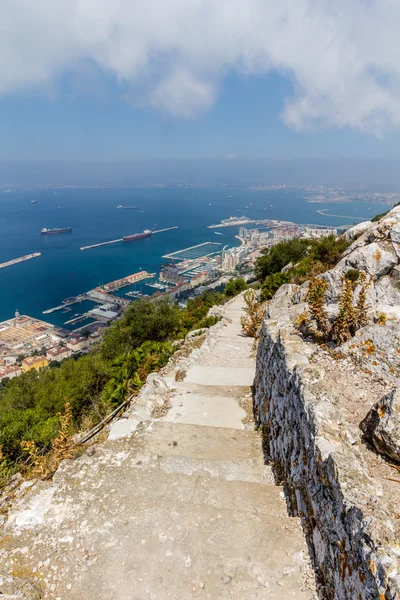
63, 270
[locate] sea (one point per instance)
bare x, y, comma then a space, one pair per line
63, 270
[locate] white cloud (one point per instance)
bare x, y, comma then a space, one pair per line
341, 55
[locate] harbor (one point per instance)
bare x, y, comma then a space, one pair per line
15, 261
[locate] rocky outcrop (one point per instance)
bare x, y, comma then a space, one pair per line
354, 232
310, 402
317, 454
381, 426
376, 252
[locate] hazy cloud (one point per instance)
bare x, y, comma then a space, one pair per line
341, 55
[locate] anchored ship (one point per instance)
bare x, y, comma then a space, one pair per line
127, 207
137, 236
46, 231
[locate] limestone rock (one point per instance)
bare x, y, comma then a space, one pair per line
381, 426
16, 588
355, 232
373, 259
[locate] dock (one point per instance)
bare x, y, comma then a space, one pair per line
101, 244
122, 239
15, 261
125, 281
324, 212
166, 229
193, 252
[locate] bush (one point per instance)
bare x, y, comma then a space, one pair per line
235, 286
144, 320
272, 284
275, 258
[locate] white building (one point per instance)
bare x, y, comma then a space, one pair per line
58, 353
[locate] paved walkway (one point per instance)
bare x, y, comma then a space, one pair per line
181, 508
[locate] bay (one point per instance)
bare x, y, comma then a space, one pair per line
63, 270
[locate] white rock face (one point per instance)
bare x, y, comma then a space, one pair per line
373, 259
381, 426
355, 232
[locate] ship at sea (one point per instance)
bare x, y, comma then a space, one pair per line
137, 236
46, 231
33, 201
127, 207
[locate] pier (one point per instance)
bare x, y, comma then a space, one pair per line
166, 229
193, 252
122, 239
101, 244
324, 212
15, 261
125, 281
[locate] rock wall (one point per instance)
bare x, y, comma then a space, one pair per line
326, 480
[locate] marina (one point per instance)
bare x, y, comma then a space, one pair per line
15, 261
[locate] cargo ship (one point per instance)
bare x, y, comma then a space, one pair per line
137, 236
127, 207
46, 231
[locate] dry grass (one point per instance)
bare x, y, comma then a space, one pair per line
252, 320
44, 465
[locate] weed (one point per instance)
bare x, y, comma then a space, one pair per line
316, 299
251, 321
361, 305
345, 324
381, 318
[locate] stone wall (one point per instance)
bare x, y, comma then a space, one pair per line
326, 480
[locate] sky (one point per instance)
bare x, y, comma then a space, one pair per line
142, 79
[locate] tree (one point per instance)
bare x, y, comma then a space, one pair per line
275, 258
144, 320
234, 287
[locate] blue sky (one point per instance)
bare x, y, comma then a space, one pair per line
244, 121
90, 80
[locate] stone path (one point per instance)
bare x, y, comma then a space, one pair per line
181, 508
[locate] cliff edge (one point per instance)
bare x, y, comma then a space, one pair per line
320, 406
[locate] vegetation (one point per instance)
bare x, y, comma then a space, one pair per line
235, 286
350, 317
381, 215
301, 260
40, 411
304, 260
252, 320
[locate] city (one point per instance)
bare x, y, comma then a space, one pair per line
27, 343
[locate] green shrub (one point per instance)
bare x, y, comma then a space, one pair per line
272, 284
272, 260
234, 287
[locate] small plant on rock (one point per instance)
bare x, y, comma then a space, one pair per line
251, 321
345, 324
361, 305
316, 300
38, 462
381, 318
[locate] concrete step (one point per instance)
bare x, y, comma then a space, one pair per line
162, 438
227, 470
211, 410
226, 376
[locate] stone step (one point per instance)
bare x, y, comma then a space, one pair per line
154, 535
226, 376
162, 438
228, 470
212, 410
